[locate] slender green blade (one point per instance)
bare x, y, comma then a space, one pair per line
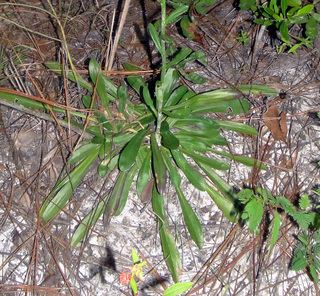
209, 161
192, 175
159, 167
87, 223
177, 289
129, 153
63, 191
169, 249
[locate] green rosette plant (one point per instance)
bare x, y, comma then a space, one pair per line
149, 143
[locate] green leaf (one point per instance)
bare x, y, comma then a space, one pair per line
304, 220
254, 211
248, 161
134, 286
194, 177
176, 14
169, 249
169, 140
135, 256
174, 174
82, 152
177, 289
144, 174
299, 260
129, 153
201, 136
169, 82
187, 27
304, 202
190, 218
313, 273
182, 54
87, 222
155, 37
122, 95
293, 3
211, 162
226, 105
135, 81
312, 28
221, 185
199, 56
176, 95
107, 166
276, 223
258, 89
120, 192
148, 100
285, 204
248, 5
284, 30
193, 77
236, 126
104, 86
284, 6
75, 77
225, 204
62, 192
159, 167
203, 6
305, 10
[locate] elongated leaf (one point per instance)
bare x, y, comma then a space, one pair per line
169, 82
305, 10
299, 260
248, 161
119, 196
135, 81
225, 204
82, 152
276, 223
159, 167
107, 166
144, 174
11, 98
183, 53
236, 126
122, 95
87, 222
284, 6
62, 193
155, 37
177, 289
221, 185
176, 14
148, 100
129, 153
173, 173
58, 68
190, 218
253, 212
258, 89
207, 136
168, 139
211, 162
176, 95
192, 175
104, 86
169, 249
238, 106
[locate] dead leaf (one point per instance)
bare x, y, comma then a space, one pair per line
276, 122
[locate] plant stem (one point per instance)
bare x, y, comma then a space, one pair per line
159, 87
